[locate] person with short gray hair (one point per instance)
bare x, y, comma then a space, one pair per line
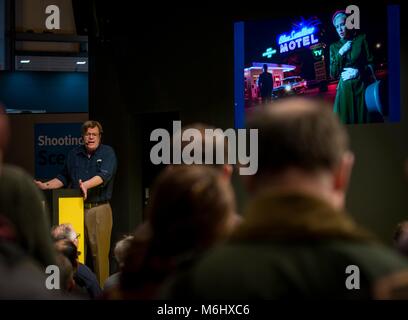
83, 275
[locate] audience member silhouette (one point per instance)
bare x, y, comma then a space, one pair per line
189, 212
83, 275
120, 251
296, 240
25, 245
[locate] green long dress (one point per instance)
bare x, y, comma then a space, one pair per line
349, 103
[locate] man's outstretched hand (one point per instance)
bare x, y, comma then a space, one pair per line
41, 185
84, 189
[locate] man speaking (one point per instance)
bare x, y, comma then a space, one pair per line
91, 168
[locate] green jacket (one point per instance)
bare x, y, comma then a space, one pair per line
349, 104
21, 203
289, 246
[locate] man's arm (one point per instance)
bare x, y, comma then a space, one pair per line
48, 185
89, 184
60, 181
107, 169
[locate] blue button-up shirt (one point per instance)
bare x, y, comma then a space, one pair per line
101, 163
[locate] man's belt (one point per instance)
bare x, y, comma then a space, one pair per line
89, 205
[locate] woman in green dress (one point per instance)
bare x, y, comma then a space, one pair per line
350, 60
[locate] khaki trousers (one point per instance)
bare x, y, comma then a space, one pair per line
98, 228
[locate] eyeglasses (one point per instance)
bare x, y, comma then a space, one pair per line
91, 134
77, 236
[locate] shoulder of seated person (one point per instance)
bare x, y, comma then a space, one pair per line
84, 270
13, 171
14, 177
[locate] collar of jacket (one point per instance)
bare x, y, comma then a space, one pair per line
297, 216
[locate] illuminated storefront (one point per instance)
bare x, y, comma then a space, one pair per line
252, 74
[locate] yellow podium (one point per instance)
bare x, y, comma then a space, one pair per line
67, 206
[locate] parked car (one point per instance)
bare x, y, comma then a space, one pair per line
290, 86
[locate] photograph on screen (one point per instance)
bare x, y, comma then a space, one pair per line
349, 58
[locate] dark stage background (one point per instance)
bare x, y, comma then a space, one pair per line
149, 65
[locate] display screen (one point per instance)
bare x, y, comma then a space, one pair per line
348, 56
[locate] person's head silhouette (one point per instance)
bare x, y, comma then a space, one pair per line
265, 67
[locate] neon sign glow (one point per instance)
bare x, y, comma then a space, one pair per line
296, 35
303, 35
318, 53
269, 53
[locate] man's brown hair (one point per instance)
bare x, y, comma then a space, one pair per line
189, 208
91, 124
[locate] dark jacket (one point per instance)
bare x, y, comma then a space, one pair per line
86, 279
290, 246
265, 84
21, 277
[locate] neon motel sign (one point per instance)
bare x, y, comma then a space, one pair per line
297, 39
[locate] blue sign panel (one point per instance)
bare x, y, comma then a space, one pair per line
52, 143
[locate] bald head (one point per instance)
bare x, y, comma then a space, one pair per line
295, 107
298, 133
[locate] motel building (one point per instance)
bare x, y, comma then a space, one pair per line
252, 73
